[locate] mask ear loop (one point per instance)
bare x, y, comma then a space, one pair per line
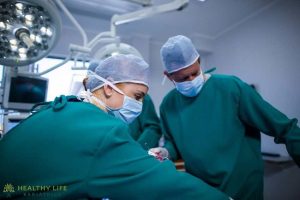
93, 74
91, 97
164, 80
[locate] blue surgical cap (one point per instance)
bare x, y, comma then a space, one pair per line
93, 65
178, 53
120, 69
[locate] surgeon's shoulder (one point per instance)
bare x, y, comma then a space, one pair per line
95, 118
88, 110
225, 78
83, 107
169, 98
75, 110
228, 82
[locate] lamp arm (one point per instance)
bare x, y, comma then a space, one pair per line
68, 58
74, 21
146, 12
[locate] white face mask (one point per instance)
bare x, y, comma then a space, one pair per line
190, 88
130, 108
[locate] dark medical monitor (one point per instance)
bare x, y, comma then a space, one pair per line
22, 92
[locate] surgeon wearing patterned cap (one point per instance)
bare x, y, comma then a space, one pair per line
213, 123
83, 149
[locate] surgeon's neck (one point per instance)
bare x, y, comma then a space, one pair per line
100, 99
99, 106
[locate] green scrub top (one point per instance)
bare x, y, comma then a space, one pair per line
74, 150
217, 134
145, 129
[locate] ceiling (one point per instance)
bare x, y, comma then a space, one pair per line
208, 19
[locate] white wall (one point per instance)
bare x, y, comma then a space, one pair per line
265, 51
157, 90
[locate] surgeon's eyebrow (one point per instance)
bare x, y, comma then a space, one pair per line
141, 93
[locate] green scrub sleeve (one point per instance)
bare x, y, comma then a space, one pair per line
150, 125
120, 167
169, 141
256, 112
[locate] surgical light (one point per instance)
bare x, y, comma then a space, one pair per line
22, 50
13, 48
29, 17
29, 29
22, 56
36, 38
29, 20
13, 42
19, 6
2, 25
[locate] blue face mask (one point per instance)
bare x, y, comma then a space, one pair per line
190, 88
130, 110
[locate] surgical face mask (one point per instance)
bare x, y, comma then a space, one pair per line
130, 108
190, 88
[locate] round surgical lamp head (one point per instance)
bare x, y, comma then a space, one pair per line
29, 29
114, 49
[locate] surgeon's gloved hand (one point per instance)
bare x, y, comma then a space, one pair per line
159, 153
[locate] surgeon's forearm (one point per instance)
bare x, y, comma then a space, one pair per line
173, 155
149, 138
292, 140
258, 113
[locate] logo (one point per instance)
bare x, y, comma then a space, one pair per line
8, 188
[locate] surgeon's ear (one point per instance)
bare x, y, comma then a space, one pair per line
107, 90
168, 75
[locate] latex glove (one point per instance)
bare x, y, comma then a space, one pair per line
159, 153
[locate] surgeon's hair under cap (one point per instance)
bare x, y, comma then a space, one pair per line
178, 53
120, 69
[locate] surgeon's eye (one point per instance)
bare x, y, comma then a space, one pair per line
138, 97
186, 78
196, 73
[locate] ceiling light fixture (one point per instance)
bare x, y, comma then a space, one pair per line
29, 29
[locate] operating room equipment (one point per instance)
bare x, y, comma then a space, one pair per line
27, 43
29, 30
114, 45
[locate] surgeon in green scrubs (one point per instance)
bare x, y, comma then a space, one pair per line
145, 129
74, 149
213, 123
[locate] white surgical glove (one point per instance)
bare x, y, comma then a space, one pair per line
159, 153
